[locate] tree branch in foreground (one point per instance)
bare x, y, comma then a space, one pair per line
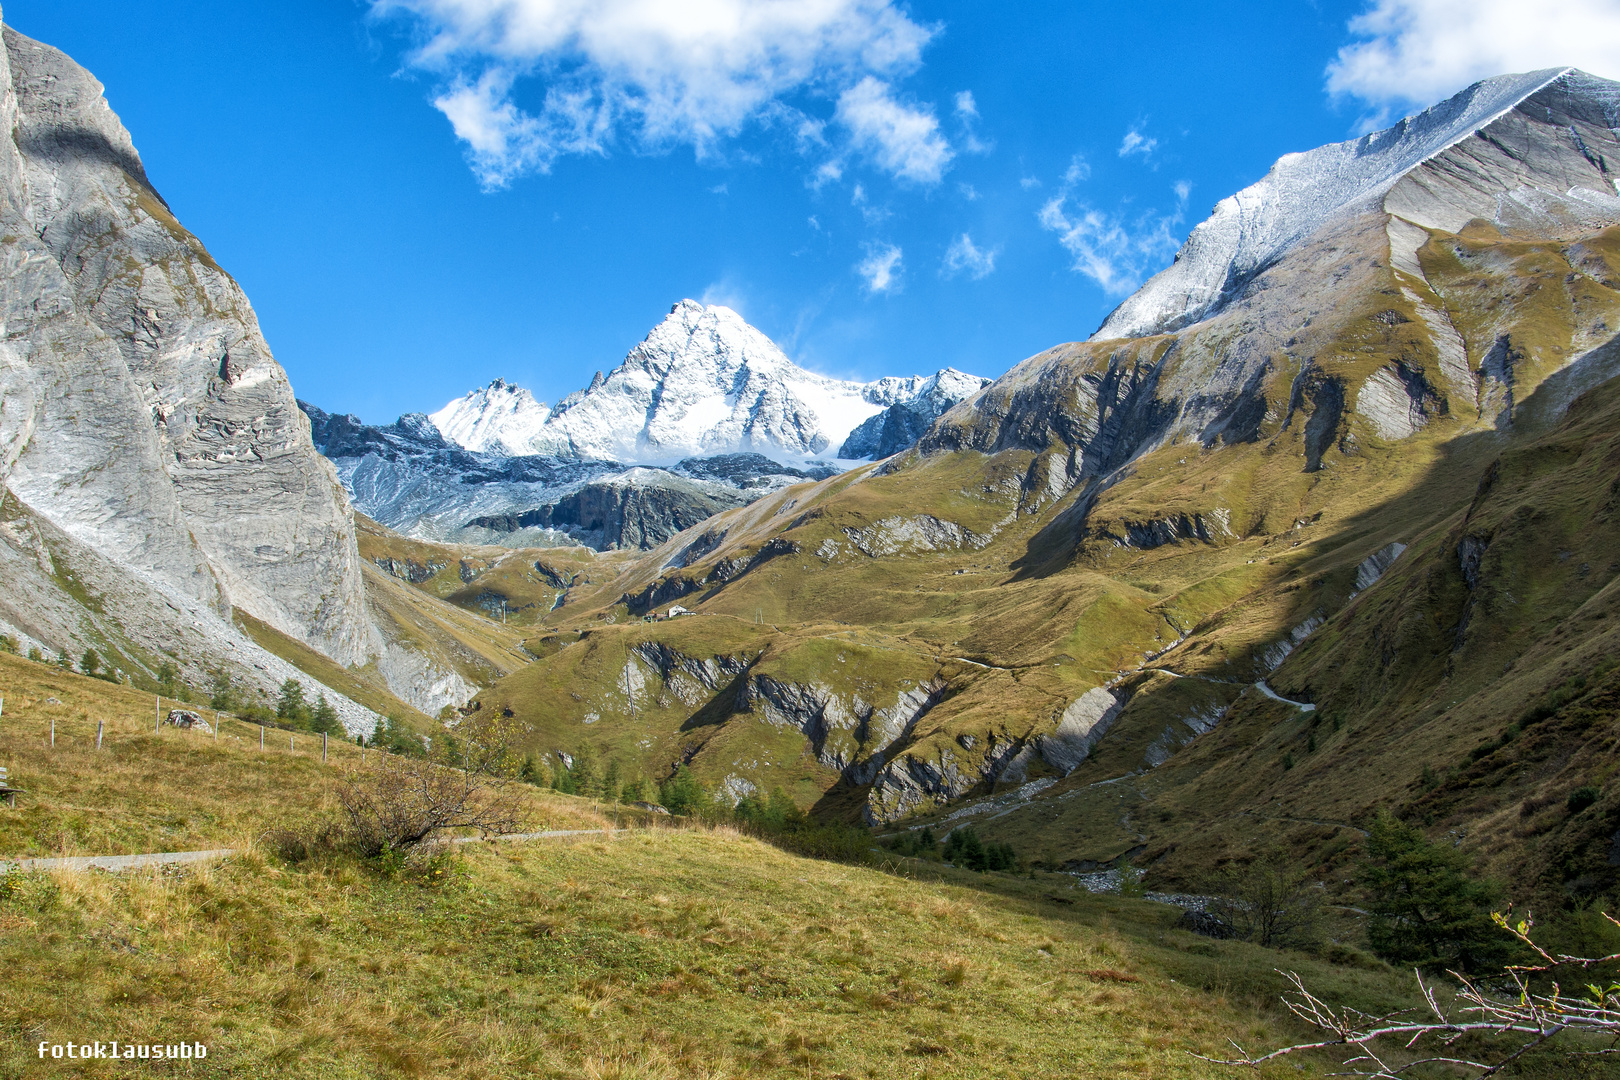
1512, 1020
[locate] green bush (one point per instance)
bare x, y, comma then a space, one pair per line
964, 848
1581, 798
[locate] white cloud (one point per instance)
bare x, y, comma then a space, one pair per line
1113, 252
1183, 189
968, 192
827, 172
1417, 52
1079, 169
653, 72
1028, 183
966, 107
1137, 143
881, 269
963, 254
902, 140
726, 293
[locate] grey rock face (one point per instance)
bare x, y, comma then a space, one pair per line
408, 477
143, 413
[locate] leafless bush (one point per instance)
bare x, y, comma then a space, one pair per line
1528, 1011
1270, 903
404, 801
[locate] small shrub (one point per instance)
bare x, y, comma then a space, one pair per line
1581, 798
1270, 902
8, 644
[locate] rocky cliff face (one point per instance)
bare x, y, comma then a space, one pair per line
1517, 149
143, 413
408, 477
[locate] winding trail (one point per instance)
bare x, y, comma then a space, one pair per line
173, 858
1302, 706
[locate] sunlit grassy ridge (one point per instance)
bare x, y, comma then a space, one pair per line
174, 790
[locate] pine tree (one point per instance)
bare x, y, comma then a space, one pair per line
681, 793
291, 706
1426, 910
324, 718
89, 662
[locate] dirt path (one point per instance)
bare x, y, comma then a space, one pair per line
171, 858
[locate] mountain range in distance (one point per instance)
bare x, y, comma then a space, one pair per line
704, 415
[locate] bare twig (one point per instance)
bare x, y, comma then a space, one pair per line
1515, 1021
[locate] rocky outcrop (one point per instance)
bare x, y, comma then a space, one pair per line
723, 571
640, 508
1370, 569
143, 412
1211, 528
918, 533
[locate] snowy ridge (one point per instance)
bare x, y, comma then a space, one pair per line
704, 382
498, 418
1302, 192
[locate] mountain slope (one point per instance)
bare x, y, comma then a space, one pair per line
160, 488
1064, 606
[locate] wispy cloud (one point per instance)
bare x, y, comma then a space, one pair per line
903, 140
881, 269
1138, 144
1416, 52
964, 255
656, 75
1111, 249
1029, 183
1079, 169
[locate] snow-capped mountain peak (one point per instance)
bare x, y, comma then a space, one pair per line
1303, 192
703, 382
499, 418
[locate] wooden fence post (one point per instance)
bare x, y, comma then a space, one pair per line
157, 714
261, 736
323, 748
53, 733
289, 742
216, 725
99, 726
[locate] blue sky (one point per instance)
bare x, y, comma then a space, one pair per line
421, 195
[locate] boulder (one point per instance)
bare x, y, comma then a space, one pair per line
185, 718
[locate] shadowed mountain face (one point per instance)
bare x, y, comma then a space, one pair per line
1091, 610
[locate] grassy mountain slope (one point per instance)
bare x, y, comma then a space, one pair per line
1026, 555
640, 952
